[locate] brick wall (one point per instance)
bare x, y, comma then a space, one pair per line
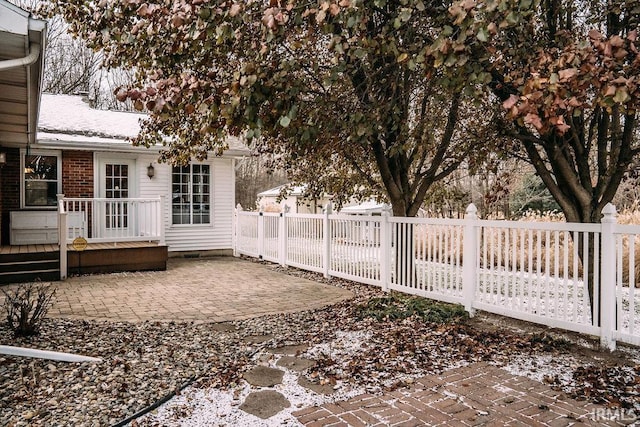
77, 176
77, 181
77, 173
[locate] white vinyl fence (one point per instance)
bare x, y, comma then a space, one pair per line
538, 272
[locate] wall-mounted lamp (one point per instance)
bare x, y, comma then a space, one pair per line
3, 159
151, 172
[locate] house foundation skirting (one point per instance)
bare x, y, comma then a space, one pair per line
117, 259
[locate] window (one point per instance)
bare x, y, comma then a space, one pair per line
41, 180
191, 194
116, 178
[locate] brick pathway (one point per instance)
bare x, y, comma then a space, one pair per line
475, 395
208, 289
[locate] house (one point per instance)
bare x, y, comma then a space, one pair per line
294, 199
95, 160
78, 180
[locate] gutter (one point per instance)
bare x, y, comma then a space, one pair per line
34, 54
57, 141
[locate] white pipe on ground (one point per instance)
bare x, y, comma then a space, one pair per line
34, 54
45, 354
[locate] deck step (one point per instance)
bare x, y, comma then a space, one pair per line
29, 267
30, 276
20, 265
45, 264
32, 256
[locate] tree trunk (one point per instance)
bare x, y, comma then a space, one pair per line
405, 265
403, 240
588, 263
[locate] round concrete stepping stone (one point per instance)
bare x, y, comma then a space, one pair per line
222, 327
314, 387
291, 350
297, 364
264, 404
263, 376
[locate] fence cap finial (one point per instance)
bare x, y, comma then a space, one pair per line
609, 212
328, 208
472, 210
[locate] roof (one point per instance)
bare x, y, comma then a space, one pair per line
69, 114
364, 208
295, 190
67, 121
22, 43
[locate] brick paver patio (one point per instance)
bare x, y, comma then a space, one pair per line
474, 395
207, 289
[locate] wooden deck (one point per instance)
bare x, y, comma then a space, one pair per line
31, 249
114, 257
23, 263
115, 245
27, 249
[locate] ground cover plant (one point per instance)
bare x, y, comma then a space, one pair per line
398, 306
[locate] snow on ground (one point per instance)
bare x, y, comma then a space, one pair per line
213, 407
345, 344
196, 407
544, 367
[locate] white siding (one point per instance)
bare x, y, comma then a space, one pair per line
216, 235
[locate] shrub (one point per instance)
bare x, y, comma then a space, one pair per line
549, 342
398, 306
26, 306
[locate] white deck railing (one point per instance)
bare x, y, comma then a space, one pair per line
113, 220
102, 220
538, 272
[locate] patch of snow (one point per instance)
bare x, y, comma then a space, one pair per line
44, 137
292, 190
342, 347
213, 407
367, 207
504, 389
70, 114
539, 367
632, 353
68, 119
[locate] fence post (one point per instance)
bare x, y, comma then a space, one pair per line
608, 278
235, 229
62, 236
385, 249
470, 258
282, 237
61, 208
162, 241
326, 240
260, 234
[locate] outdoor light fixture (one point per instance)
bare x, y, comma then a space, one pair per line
3, 159
151, 171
